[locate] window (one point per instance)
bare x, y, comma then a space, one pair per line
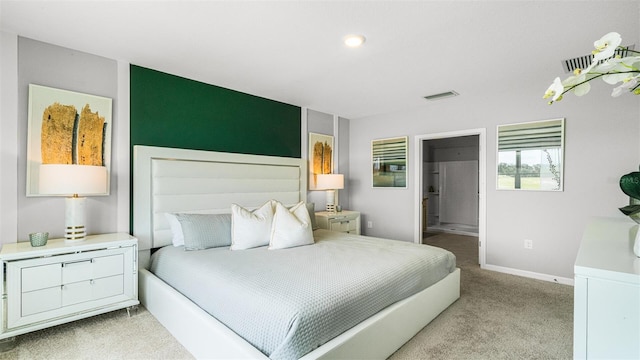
530, 156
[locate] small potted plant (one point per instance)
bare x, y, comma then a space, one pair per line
630, 185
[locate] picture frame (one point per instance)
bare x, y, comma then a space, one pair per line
389, 162
530, 156
320, 157
77, 130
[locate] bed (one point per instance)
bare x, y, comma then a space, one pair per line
192, 181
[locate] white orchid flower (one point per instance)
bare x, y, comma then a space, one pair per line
630, 63
606, 46
613, 64
615, 78
577, 83
554, 91
626, 86
619, 69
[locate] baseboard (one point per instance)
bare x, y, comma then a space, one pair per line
529, 274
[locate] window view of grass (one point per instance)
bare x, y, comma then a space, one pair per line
537, 169
527, 183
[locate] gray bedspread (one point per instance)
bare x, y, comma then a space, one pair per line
288, 302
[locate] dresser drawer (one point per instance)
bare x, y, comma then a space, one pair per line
87, 269
343, 225
40, 277
107, 287
89, 290
76, 293
34, 302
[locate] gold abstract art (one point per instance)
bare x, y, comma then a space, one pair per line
322, 155
72, 138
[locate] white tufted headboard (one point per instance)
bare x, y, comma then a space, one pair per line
181, 180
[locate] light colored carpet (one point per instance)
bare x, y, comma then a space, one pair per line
498, 316
108, 336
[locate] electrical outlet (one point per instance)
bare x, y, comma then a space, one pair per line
369, 224
528, 244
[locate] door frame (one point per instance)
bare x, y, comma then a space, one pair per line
482, 184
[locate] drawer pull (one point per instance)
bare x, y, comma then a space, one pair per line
80, 262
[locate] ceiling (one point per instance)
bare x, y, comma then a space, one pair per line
292, 51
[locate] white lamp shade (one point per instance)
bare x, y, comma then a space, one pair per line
64, 179
329, 181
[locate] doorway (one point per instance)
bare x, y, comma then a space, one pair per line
451, 185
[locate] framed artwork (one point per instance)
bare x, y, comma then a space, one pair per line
531, 156
389, 162
66, 127
320, 156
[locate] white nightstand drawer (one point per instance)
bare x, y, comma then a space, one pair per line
38, 301
74, 271
108, 266
92, 290
41, 277
93, 268
76, 293
343, 225
107, 287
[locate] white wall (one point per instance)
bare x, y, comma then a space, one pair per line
8, 137
601, 145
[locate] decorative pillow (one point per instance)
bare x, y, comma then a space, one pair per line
177, 237
251, 228
291, 227
203, 231
311, 207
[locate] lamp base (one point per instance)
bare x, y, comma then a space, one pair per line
72, 234
331, 201
74, 219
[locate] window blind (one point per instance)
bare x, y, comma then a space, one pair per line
530, 136
390, 151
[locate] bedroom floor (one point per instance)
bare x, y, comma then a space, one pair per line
464, 247
498, 316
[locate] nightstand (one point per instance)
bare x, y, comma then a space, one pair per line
66, 281
345, 221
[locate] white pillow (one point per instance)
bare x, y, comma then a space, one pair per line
251, 229
177, 237
291, 227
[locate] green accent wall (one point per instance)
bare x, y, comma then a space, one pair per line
171, 111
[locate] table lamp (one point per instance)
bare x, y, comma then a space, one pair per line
331, 183
73, 180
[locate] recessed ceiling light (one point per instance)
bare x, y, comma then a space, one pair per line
354, 40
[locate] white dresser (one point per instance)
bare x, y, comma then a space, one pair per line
607, 292
61, 281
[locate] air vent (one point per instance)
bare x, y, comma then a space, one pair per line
443, 95
583, 62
